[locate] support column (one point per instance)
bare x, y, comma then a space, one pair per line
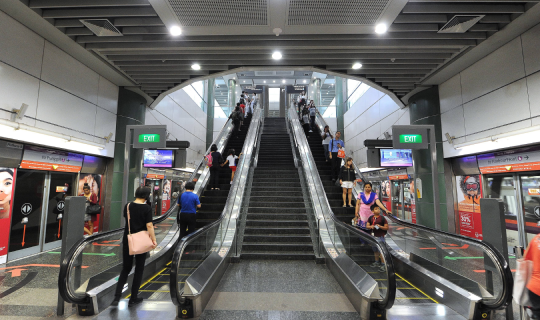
315, 93
341, 92
424, 108
210, 112
232, 95
131, 111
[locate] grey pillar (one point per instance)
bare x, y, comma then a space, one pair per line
341, 93
232, 97
210, 112
315, 93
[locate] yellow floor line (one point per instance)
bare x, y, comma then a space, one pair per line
149, 281
405, 298
430, 298
154, 291
160, 282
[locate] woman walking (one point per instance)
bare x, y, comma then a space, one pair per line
365, 200
326, 137
217, 160
140, 219
91, 199
347, 179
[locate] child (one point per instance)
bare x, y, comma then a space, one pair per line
379, 225
231, 160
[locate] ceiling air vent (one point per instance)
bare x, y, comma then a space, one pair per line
460, 23
101, 27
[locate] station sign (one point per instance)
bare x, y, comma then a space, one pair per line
151, 137
405, 137
522, 159
38, 158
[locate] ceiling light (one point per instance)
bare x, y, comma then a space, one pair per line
304, 81
274, 81
264, 81
381, 28
195, 67
276, 55
175, 31
282, 81
357, 66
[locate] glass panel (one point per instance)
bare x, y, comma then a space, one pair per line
502, 187
530, 191
273, 98
397, 199
61, 186
408, 198
26, 216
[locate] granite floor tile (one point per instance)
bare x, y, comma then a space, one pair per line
276, 315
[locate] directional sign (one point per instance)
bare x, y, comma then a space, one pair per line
150, 137
537, 212
26, 209
60, 205
409, 137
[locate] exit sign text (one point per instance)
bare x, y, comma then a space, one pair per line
148, 138
410, 138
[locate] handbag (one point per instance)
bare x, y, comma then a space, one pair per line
93, 209
341, 153
139, 242
521, 278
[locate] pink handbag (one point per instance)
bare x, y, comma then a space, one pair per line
139, 242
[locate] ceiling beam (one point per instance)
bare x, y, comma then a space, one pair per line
421, 18
173, 68
78, 32
284, 52
68, 23
88, 13
278, 45
48, 4
396, 79
496, 18
384, 71
137, 22
462, 8
260, 39
475, 1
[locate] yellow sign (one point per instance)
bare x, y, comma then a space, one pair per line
184, 311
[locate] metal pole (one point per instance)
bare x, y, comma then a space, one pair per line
125, 183
435, 176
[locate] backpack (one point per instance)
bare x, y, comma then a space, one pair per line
236, 116
209, 160
312, 112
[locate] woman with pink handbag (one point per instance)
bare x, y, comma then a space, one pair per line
139, 238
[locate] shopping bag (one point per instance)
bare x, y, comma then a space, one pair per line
521, 278
341, 153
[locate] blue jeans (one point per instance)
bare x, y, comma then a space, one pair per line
326, 156
375, 249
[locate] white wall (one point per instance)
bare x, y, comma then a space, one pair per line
185, 120
218, 125
369, 117
498, 94
63, 95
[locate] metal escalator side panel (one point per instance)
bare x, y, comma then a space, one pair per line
201, 257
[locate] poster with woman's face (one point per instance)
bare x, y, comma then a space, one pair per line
6, 191
166, 190
93, 181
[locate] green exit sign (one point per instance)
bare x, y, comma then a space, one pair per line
149, 138
410, 138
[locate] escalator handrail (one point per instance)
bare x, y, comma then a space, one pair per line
188, 239
390, 297
494, 253
67, 262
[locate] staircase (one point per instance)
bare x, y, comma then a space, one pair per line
333, 192
276, 225
213, 201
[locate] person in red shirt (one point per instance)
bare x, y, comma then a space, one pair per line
91, 198
379, 225
533, 254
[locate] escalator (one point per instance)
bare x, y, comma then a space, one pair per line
469, 277
90, 283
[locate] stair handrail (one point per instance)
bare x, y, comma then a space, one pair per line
324, 212
494, 254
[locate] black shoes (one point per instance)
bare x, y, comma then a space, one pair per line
134, 302
115, 302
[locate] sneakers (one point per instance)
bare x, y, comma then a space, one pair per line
231, 182
310, 130
382, 268
134, 302
375, 264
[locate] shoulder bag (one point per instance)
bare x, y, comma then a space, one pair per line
93, 209
521, 279
139, 242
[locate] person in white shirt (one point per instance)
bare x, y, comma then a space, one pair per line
231, 160
251, 107
326, 136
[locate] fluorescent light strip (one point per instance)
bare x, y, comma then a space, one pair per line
23, 132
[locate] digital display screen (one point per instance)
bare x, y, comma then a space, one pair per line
396, 158
158, 159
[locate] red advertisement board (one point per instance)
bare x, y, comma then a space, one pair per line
7, 186
166, 198
469, 194
386, 194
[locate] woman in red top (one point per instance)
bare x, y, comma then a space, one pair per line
91, 198
533, 254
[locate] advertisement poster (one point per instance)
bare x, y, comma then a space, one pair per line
7, 185
469, 194
37, 158
95, 184
166, 199
400, 174
386, 194
412, 201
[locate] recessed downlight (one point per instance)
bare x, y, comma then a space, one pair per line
264, 81
305, 81
282, 81
381, 28
276, 55
357, 66
175, 31
196, 66
274, 81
